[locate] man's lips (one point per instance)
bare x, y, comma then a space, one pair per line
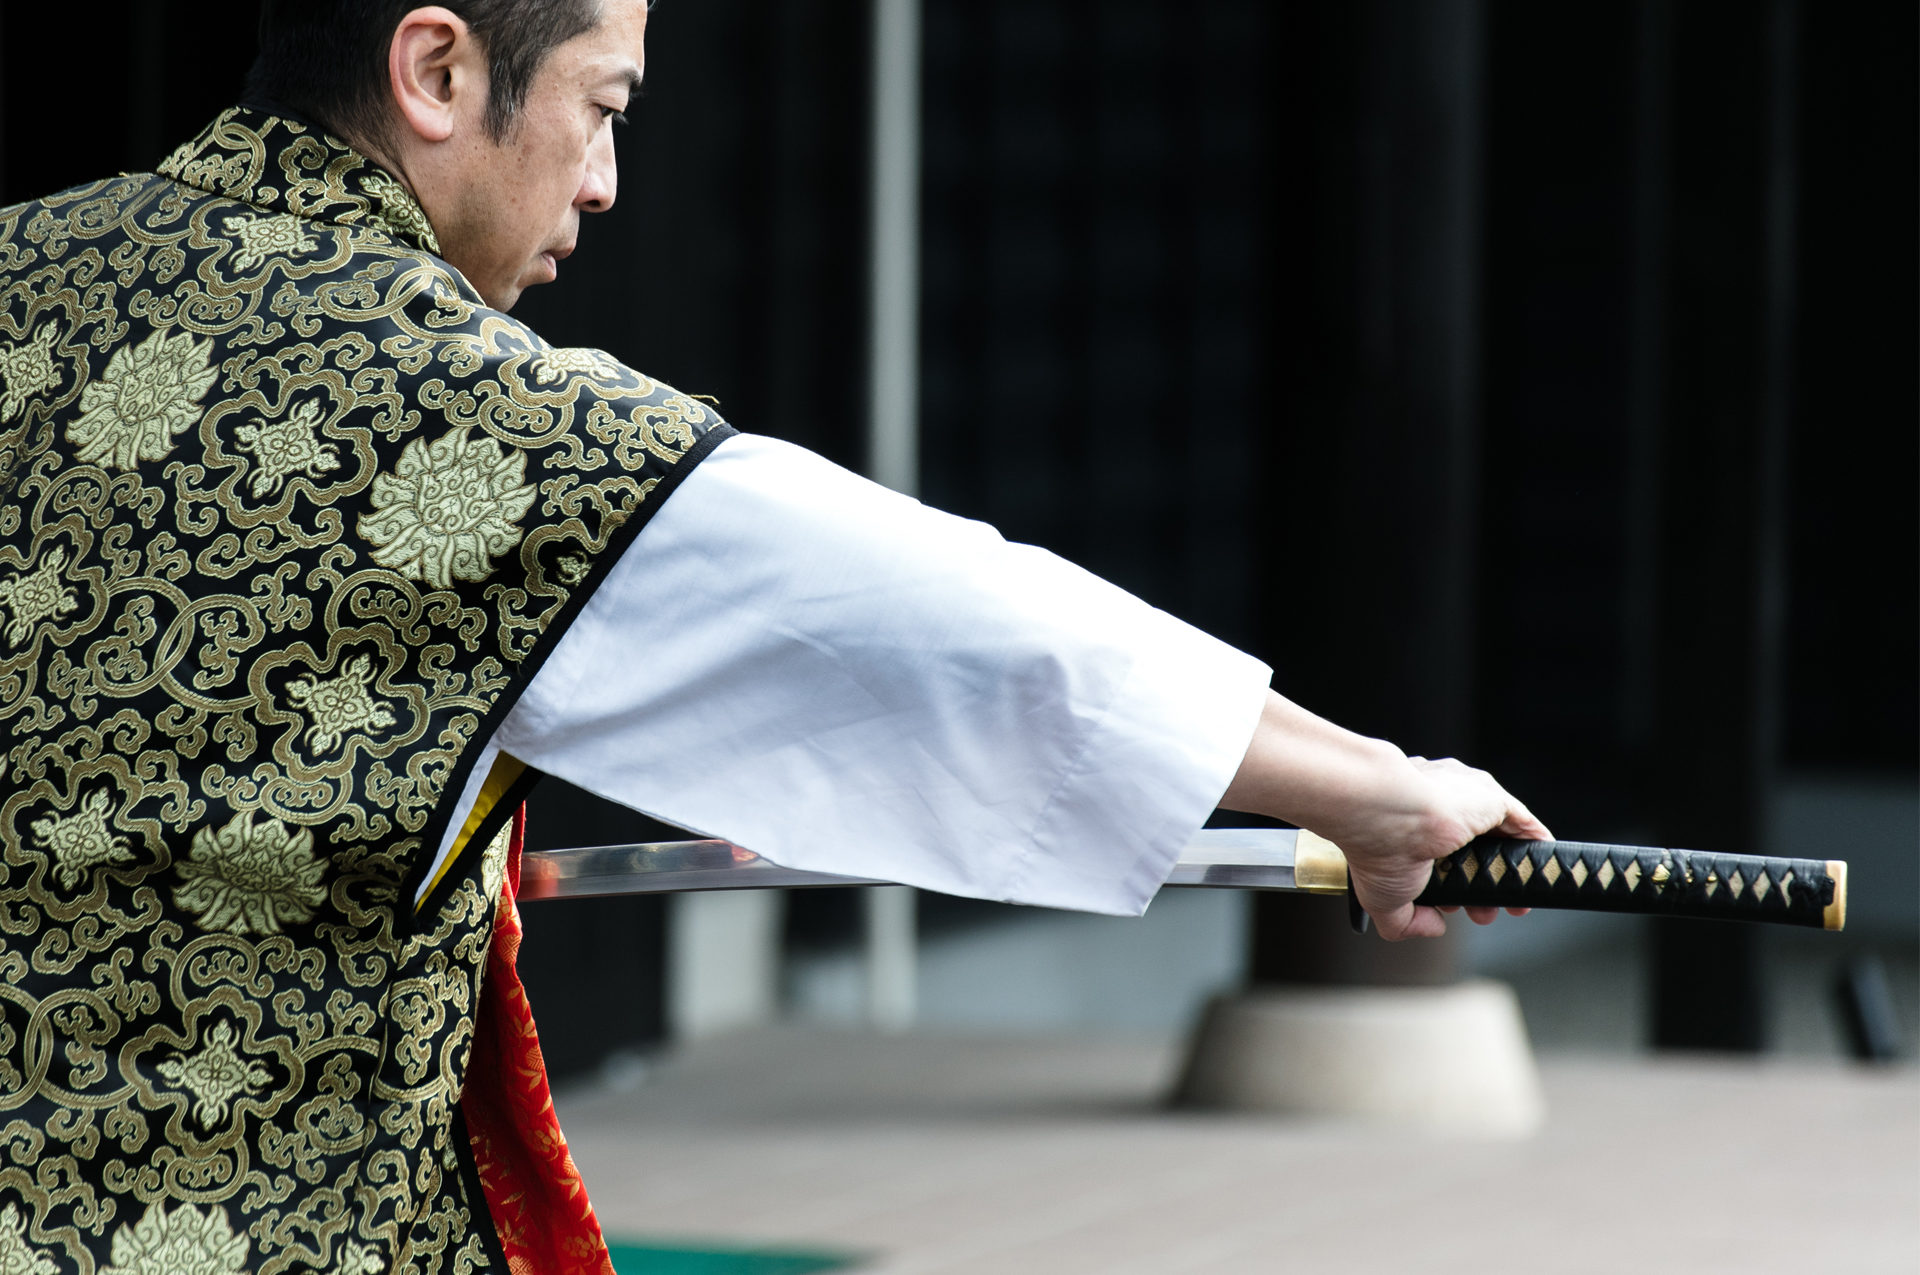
552, 258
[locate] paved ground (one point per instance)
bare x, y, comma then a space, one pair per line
962, 1154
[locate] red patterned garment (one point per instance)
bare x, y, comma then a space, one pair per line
534, 1192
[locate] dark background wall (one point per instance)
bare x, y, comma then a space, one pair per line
1532, 382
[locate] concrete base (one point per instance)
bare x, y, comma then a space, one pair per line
1447, 1059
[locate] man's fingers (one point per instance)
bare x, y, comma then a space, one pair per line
1461, 803
1409, 921
1427, 923
1482, 915
1521, 823
1480, 802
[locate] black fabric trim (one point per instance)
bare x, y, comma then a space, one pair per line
267, 106
622, 538
477, 1208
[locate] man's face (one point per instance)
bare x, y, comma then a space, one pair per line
518, 212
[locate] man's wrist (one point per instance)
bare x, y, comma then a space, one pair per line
1384, 801
1306, 770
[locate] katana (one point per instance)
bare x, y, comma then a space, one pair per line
1491, 872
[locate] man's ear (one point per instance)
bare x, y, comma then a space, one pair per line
434, 65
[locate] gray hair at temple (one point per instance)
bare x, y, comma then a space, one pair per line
327, 59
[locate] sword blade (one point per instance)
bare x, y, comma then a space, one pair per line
1490, 872
1218, 858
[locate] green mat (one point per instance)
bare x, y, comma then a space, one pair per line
646, 1259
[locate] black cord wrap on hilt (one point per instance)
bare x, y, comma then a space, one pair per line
1578, 875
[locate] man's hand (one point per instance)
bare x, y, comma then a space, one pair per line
1390, 855
1392, 814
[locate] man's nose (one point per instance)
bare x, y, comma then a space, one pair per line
602, 178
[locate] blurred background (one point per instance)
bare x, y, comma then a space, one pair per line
1532, 383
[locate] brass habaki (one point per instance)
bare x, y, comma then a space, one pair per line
1318, 865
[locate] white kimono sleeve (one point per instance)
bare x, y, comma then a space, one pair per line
805, 663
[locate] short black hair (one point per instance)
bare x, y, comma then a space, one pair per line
327, 59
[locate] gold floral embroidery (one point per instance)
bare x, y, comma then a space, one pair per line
263, 239
572, 568
81, 842
149, 393
287, 447
251, 878
399, 208
215, 1074
356, 1260
36, 596
340, 705
226, 173
448, 508
17, 1257
183, 1242
26, 370
556, 365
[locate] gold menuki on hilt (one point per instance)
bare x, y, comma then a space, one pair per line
1504, 872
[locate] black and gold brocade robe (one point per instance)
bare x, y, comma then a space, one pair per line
287, 517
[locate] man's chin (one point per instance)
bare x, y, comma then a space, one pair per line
503, 298
545, 270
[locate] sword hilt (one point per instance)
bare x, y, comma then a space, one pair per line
1581, 876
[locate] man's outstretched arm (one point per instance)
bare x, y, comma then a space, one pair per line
797, 660
1392, 814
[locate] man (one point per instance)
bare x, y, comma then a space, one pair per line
310, 558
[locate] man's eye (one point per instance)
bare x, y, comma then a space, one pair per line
608, 113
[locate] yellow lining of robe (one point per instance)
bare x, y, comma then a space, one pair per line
506, 770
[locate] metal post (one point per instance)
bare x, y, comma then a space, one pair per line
892, 964
893, 375
893, 387
723, 962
